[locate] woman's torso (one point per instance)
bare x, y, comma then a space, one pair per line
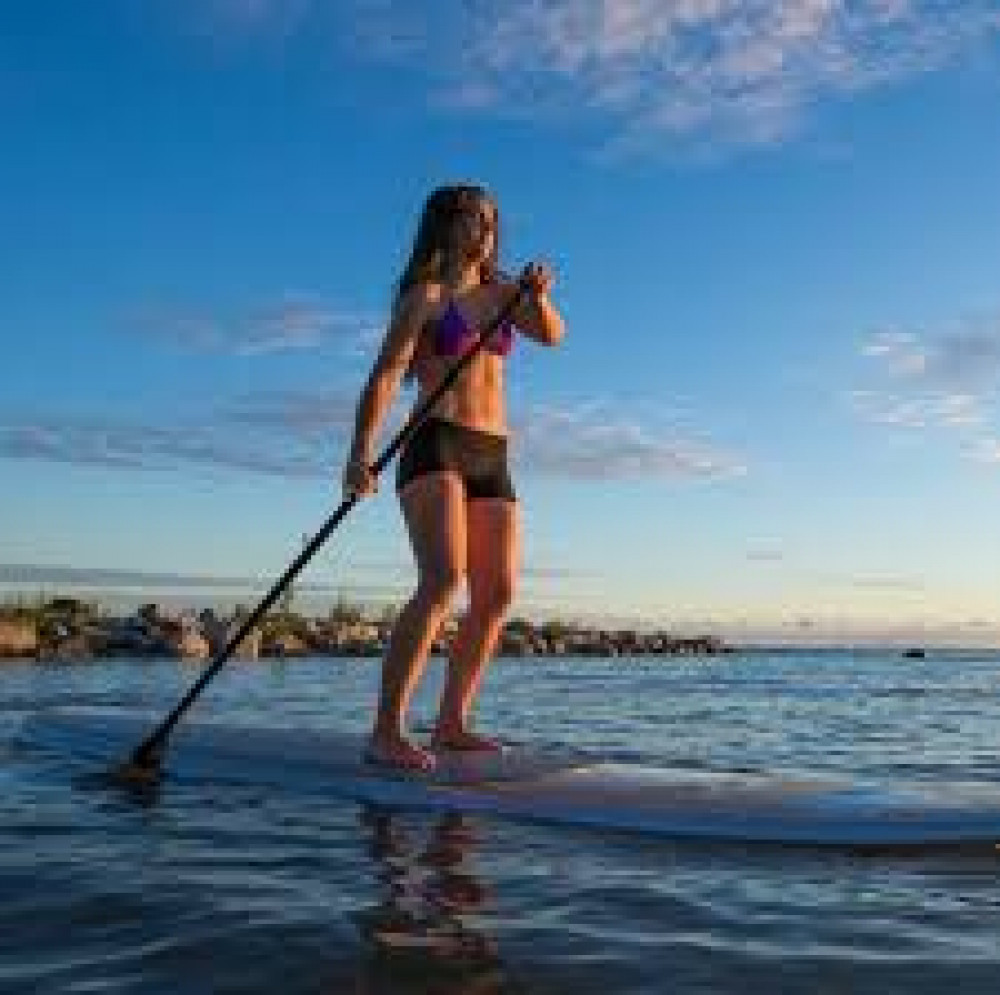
476, 399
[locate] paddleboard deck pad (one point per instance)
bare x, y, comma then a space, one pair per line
557, 786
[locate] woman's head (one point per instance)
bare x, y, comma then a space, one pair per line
458, 226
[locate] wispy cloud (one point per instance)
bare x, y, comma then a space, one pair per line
765, 552
593, 442
293, 323
30, 574
883, 583
941, 382
224, 18
722, 72
933, 409
117, 445
381, 582
299, 434
985, 450
302, 415
963, 359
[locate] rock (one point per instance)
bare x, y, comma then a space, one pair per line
18, 637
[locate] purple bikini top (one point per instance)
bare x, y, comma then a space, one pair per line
453, 335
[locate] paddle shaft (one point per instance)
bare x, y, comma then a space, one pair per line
149, 751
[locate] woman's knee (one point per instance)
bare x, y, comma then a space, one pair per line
494, 599
439, 586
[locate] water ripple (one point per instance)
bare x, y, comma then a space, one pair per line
228, 889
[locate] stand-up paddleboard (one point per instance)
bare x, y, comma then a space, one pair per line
549, 787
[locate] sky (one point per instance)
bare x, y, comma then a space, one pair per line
776, 231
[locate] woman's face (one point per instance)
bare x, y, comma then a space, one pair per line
473, 230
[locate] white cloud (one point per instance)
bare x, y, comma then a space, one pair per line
293, 323
302, 434
120, 445
968, 358
305, 416
946, 381
886, 583
250, 17
722, 72
934, 410
985, 450
593, 442
765, 552
900, 351
103, 577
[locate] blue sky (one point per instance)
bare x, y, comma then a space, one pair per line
776, 225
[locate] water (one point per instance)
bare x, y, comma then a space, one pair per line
217, 889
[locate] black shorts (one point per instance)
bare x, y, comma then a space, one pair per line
479, 458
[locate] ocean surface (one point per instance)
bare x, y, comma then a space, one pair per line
213, 889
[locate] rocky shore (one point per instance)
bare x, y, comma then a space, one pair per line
67, 629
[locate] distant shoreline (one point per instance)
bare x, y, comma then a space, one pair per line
68, 629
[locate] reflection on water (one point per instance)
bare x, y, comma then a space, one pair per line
422, 935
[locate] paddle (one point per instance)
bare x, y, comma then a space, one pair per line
145, 764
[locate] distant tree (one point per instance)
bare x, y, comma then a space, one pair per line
63, 605
343, 612
555, 629
18, 609
149, 613
388, 615
65, 611
520, 625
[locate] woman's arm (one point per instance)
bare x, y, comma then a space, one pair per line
535, 314
383, 382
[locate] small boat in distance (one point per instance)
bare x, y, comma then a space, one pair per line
914, 653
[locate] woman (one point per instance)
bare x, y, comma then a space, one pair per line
453, 482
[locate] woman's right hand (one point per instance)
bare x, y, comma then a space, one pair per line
359, 479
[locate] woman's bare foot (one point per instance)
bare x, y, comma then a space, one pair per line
399, 753
464, 740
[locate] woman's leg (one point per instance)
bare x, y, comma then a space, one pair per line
493, 561
434, 511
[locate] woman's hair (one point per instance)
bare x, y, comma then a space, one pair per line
427, 255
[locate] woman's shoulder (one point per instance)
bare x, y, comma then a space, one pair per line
418, 301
